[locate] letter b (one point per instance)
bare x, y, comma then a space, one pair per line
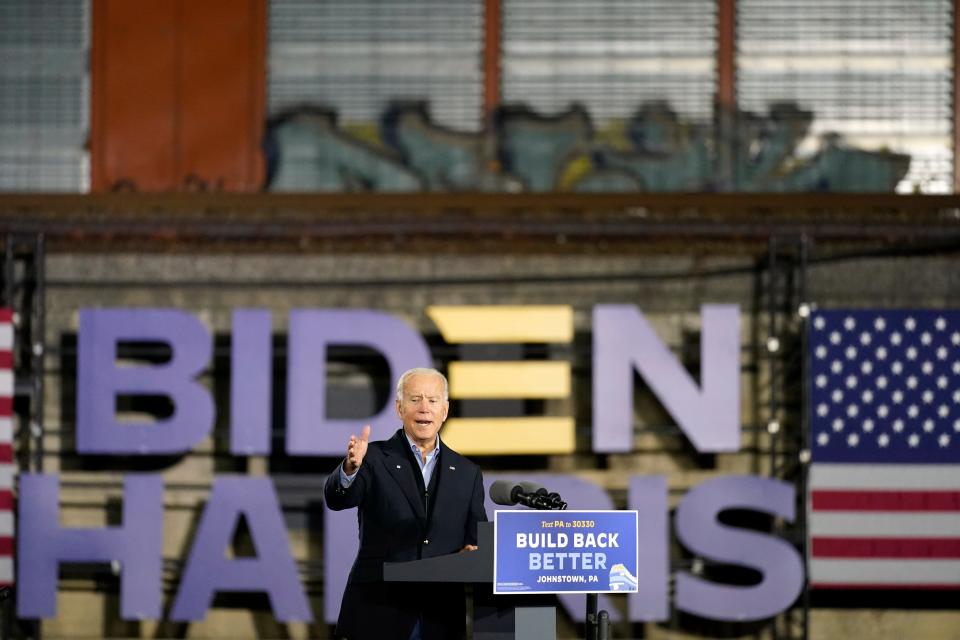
100, 380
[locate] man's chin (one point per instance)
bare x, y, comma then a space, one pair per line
423, 432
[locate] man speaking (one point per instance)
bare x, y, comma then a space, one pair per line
415, 498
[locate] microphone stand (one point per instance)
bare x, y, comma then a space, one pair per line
596, 625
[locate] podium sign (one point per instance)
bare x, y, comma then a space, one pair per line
565, 552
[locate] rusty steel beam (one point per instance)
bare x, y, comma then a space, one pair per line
491, 58
726, 54
473, 222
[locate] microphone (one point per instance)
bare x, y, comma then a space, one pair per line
556, 502
501, 492
529, 494
532, 487
542, 499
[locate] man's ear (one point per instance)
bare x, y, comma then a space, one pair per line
446, 410
397, 405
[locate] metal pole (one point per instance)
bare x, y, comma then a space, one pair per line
773, 427
725, 105
772, 350
591, 621
38, 349
805, 449
603, 629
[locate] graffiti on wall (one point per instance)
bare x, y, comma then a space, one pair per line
654, 150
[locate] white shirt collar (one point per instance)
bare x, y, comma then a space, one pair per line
416, 448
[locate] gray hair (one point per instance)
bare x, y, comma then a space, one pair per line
422, 371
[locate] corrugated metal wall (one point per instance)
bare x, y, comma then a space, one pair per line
357, 56
44, 95
878, 72
610, 56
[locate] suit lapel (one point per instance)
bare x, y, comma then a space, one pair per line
398, 466
446, 472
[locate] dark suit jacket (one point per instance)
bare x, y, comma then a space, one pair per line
397, 522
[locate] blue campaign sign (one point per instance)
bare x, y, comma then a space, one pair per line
565, 552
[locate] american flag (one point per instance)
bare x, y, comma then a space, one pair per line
7, 466
884, 508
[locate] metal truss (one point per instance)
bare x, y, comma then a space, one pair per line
781, 314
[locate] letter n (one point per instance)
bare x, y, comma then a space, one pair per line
624, 341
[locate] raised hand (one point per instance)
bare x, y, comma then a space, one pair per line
356, 450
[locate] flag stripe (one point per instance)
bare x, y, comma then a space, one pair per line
885, 500
882, 524
6, 571
886, 547
7, 473
7, 468
884, 484
898, 571
891, 476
